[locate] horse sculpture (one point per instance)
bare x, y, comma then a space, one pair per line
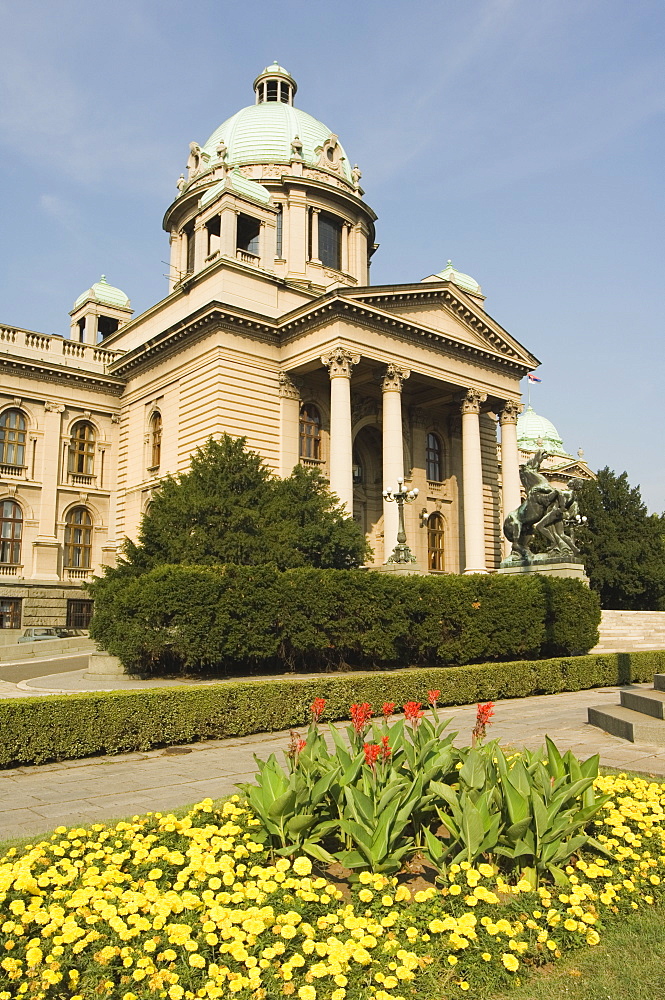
547, 510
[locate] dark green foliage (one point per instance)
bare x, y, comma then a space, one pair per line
244, 618
623, 546
229, 509
34, 730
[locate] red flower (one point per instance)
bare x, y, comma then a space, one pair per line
433, 697
412, 711
388, 709
360, 715
295, 745
317, 707
301, 745
372, 752
484, 715
385, 749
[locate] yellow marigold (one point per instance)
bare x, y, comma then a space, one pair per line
510, 962
307, 993
303, 866
365, 895
592, 936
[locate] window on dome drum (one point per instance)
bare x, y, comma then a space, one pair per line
82, 449
435, 531
10, 612
310, 432
12, 438
78, 539
280, 230
248, 233
79, 613
433, 458
213, 227
155, 440
11, 531
330, 241
188, 232
106, 325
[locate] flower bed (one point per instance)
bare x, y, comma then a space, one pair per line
222, 903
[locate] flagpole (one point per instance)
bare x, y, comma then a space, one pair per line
528, 392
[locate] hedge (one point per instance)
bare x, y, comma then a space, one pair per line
36, 730
241, 619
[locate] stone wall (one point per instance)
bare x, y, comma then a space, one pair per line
43, 603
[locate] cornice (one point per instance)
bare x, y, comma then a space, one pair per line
292, 326
456, 302
59, 375
213, 316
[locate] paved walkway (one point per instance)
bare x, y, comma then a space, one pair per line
34, 800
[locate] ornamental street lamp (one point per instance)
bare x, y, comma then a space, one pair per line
401, 553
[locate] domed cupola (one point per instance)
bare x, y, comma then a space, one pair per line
534, 432
98, 312
275, 84
272, 188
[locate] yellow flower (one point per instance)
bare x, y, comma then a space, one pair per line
307, 993
486, 957
452, 960
365, 895
510, 962
592, 937
303, 866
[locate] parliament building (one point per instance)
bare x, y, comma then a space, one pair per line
271, 329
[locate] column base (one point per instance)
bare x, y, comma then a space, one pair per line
399, 569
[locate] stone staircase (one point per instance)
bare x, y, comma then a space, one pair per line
631, 631
639, 717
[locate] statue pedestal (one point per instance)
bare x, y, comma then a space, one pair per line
572, 570
398, 569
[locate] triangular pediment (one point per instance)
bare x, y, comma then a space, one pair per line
445, 309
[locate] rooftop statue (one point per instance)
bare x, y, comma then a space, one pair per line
548, 512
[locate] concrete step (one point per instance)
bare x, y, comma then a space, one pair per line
659, 682
646, 702
628, 725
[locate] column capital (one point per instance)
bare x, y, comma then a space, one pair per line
287, 388
471, 401
510, 412
340, 362
393, 378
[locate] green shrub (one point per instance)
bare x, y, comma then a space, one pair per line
34, 730
255, 618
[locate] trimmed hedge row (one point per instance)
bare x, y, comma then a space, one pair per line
241, 619
35, 730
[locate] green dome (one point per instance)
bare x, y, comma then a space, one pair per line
534, 431
105, 294
263, 133
464, 281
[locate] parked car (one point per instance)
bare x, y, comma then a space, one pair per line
36, 632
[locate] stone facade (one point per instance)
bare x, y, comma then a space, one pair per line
270, 330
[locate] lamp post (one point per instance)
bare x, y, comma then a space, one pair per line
401, 553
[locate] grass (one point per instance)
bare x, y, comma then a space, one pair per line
629, 964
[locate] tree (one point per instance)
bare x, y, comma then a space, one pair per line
623, 546
230, 509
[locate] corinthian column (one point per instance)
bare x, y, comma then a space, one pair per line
393, 449
340, 365
289, 405
511, 495
472, 484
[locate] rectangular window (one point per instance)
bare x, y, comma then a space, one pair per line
79, 613
280, 224
10, 612
249, 230
189, 236
330, 241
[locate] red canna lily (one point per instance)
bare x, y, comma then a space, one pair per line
387, 709
433, 696
360, 715
372, 753
412, 711
317, 707
484, 714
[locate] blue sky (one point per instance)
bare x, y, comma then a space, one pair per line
523, 139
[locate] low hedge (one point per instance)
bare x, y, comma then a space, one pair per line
35, 730
241, 619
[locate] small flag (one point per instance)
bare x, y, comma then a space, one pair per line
532, 378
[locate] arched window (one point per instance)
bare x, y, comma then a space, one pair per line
434, 458
12, 438
435, 531
11, 531
78, 539
155, 440
310, 432
82, 449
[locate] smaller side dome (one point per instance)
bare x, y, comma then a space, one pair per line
534, 431
105, 294
463, 281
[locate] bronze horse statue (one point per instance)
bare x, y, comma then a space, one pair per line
548, 510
